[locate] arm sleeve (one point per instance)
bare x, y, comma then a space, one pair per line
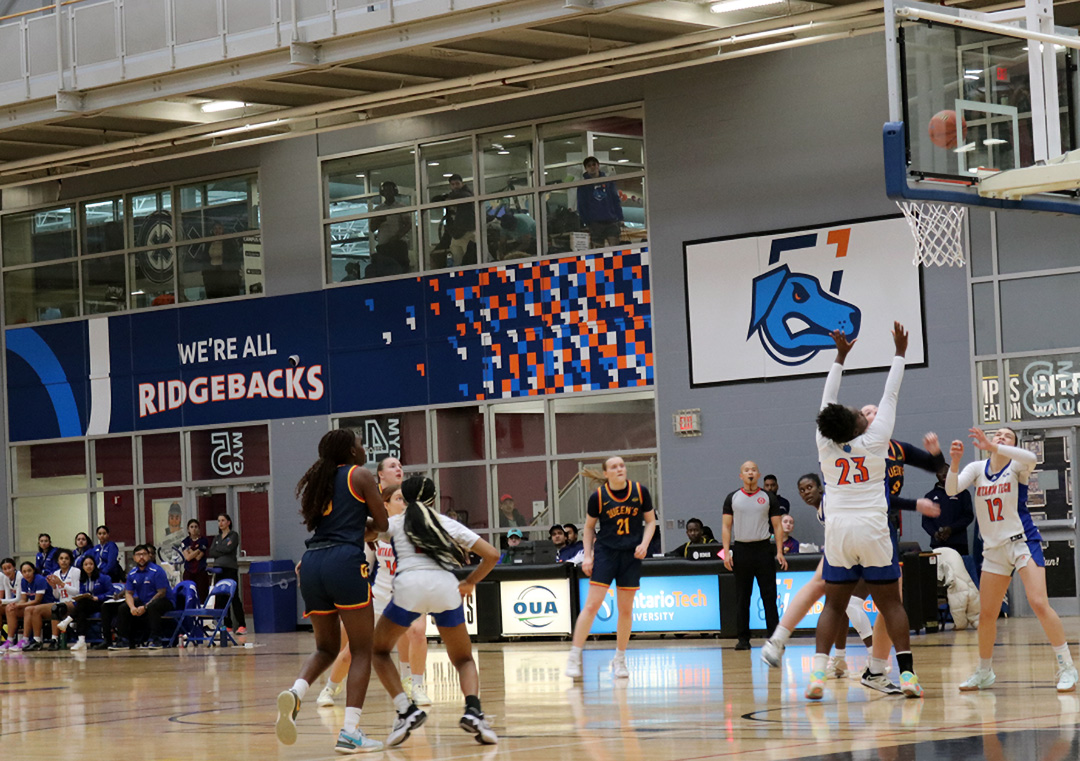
832, 385
774, 506
460, 534
920, 458
728, 510
956, 483
903, 503
593, 509
1023, 460
880, 431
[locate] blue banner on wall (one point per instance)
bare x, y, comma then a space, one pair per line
664, 604
571, 324
788, 585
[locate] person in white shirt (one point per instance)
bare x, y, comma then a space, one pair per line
858, 545
65, 584
1011, 543
9, 586
428, 546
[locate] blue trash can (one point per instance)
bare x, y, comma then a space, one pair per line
273, 595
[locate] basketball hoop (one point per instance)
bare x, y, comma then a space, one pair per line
938, 229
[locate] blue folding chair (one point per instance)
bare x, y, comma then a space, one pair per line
207, 622
187, 598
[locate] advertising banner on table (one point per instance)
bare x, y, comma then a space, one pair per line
762, 306
664, 604
788, 585
535, 607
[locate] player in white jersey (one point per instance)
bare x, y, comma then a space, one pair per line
858, 544
428, 546
1011, 542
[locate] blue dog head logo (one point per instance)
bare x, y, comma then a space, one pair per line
793, 316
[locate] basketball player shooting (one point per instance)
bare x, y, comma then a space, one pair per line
852, 454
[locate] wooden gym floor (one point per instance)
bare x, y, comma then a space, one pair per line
687, 699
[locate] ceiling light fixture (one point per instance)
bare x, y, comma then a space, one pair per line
503, 153
727, 6
221, 105
508, 136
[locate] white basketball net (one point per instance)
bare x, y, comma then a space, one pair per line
938, 229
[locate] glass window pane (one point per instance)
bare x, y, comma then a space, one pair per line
49, 467
230, 453
981, 223
509, 228
522, 488
39, 236
464, 490
401, 434
443, 166
353, 183
1015, 233
519, 429
573, 487
113, 462
61, 516
378, 246
151, 219
985, 314
254, 522
1027, 329
104, 225
218, 207
616, 140
212, 269
160, 458
450, 234
153, 281
627, 420
460, 433
116, 509
104, 285
50, 292
506, 159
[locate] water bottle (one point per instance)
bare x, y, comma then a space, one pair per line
449, 259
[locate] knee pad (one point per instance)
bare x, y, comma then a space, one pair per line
59, 611
857, 615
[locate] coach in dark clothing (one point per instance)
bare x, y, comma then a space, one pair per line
751, 515
950, 528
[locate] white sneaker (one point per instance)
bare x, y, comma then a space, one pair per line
420, 697
1066, 679
476, 724
404, 724
837, 667
619, 669
63, 625
326, 697
980, 680
573, 666
80, 645
879, 682
771, 653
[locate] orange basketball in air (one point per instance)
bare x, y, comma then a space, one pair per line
943, 129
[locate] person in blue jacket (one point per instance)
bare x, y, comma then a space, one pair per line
599, 207
45, 562
33, 590
83, 546
107, 555
94, 589
147, 598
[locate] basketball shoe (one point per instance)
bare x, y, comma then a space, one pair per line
816, 688
1066, 679
771, 653
618, 668
573, 666
404, 724
879, 682
419, 696
288, 705
909, 685
356, 743
473, 721
326, 697
837, 667
982, 679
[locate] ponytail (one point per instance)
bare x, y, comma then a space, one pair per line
423, 527
316, 489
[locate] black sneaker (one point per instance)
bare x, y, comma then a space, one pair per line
33, 646
742, 644
54, 645
404, 724
474, 723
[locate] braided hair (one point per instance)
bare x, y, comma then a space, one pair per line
316, 489
423, 527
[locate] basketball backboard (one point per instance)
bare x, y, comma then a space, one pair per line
1003, 83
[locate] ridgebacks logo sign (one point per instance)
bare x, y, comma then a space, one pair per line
535, 607
762, 306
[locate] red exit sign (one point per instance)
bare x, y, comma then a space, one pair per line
687, 422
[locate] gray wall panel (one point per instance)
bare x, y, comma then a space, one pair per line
777, 141
291, 188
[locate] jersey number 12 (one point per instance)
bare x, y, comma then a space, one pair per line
990, 505
860, 475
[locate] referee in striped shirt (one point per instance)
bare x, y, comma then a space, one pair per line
751, 514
